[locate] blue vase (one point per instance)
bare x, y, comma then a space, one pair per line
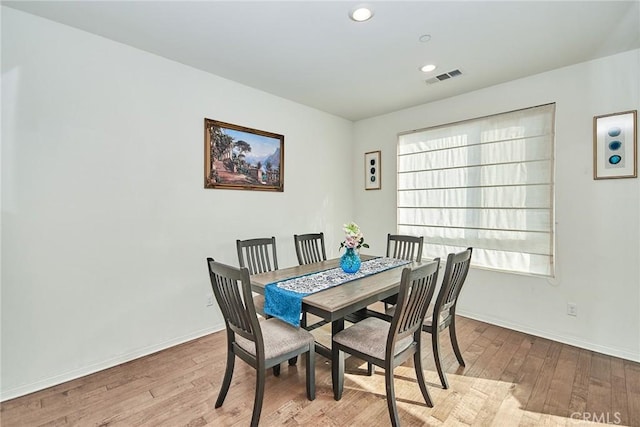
350, 261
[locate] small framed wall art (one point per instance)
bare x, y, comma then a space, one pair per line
372, 170
615, 145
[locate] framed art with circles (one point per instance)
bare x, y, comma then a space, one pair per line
372, 170
615, 145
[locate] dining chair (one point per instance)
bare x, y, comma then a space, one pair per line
389, 344
259, 256
261, 344
402, 246
443, 313
310, 248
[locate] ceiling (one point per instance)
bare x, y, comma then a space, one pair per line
312, 53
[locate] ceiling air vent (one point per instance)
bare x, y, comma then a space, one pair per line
443, 77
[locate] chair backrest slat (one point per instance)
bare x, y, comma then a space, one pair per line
310, 248
258, 255
417, 287
404, 247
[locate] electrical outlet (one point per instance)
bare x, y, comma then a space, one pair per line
572, 309
209, 300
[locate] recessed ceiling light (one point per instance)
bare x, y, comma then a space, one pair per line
424, 38
427, 68
361, 13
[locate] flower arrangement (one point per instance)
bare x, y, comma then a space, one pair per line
354, 238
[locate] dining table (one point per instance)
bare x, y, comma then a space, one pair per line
348, 300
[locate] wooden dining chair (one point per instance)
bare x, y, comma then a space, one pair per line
259, 256
389, 344
261, 344
402, 246
442, 314
310, 248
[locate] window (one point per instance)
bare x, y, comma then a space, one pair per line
486, 183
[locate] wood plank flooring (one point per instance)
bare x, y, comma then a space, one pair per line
511, 379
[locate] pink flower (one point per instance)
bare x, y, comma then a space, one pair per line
351, 242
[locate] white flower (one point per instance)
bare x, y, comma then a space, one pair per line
354, 238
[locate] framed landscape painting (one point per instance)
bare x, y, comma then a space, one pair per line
241, 158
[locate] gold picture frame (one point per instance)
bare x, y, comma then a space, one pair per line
615, 145
241, 158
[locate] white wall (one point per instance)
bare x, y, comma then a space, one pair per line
598, 222
105, 222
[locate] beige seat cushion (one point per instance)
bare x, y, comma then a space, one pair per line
369, 336
279, 338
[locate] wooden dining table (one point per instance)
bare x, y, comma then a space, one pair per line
339, 302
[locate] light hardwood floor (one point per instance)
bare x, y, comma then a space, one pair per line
511, 379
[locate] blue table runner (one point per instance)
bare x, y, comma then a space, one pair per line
284, 299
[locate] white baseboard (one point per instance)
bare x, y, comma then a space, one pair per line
611, 351
105, 364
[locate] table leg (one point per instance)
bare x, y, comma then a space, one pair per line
337, 363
